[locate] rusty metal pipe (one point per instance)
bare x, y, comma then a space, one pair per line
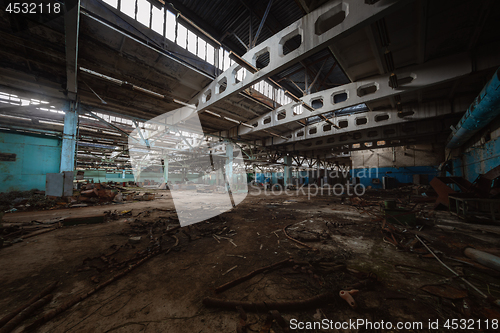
486, 259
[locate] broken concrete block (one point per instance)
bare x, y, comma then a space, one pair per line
145, 197
118, 198
148, 196
90, 193
78, 205
106, 194
134, 240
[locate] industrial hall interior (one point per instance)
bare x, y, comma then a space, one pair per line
249, 166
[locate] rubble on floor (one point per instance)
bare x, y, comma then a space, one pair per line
337, 259
88, 194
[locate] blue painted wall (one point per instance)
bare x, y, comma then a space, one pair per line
478, 160
273, 177
35, 157
402, 174
262, 178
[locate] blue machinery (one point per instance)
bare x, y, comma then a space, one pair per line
480, 113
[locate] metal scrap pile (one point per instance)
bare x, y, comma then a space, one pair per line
103, 193
485, 188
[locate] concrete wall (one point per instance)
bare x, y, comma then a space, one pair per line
106, 176
480, 155
102, 176
398, 162
35, 157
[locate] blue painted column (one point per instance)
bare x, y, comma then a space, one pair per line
69, 137
288, 170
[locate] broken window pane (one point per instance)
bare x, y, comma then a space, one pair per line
226, 60
210, 54
143, 12
221, 58
170, 33
181, 36
201, 52
192, 42
128, 8
157, 20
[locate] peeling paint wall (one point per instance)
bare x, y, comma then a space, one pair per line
481, 156
35, 157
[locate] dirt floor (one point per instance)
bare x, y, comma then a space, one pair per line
349, 247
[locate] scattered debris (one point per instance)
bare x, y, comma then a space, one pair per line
347, 296
451, 270
242, 324
25, 314
306, 304
296, 241
446, 291
250, 275
47, 316
42, 294
89, 219
118, 198
229, 270
483, 258
134, 240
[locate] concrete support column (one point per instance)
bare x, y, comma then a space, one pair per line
318, 165
165, 169
229, 163
288, 170
69, 137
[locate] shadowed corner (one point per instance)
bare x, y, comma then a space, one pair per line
26, 15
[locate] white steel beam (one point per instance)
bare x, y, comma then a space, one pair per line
318, 29
369, 139
409, 79
371, 120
